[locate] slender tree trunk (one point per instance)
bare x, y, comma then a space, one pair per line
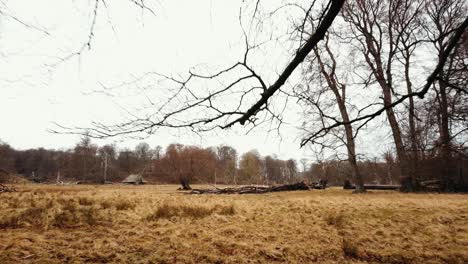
414, 157
105, 168
351, 146
58, 177
385, 84
341, 101
354, 165
444, 124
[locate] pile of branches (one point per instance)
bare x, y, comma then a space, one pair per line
258, 189
4, 189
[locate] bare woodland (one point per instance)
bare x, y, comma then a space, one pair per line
388, 46
408, 57
374, 91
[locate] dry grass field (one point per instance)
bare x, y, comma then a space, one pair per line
156, 224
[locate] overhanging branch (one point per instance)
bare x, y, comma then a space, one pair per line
301, 54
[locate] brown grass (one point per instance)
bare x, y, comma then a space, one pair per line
156, 224
169, 211
122, 205
335, 219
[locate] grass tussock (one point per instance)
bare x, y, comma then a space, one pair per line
35, 217
86, 201
52, 212
122, 205
350, 248
106, 204
335, 219
167, 211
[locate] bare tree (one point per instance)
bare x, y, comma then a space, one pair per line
384, 30
108, 155
372, 24
250, 166
324, 64
444, 17
375, 26
188, 164
227, 163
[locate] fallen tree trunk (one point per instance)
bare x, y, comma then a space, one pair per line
321, 184
256, 189
381, 187
4, 188
349, 186
432, 185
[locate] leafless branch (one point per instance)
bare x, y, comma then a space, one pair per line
421, 93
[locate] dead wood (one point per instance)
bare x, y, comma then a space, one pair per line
349, 186
259, 189
4, 188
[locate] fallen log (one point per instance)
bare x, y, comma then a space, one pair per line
434, 185
349, 186
255, 189
4, 188
381, 187
321, 184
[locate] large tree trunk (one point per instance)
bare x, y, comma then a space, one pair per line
372, 43
444, 136
185, 185
397, 138
359, 181
444, 130
386, 85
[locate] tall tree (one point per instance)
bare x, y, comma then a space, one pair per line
444, 17
250, 167
227, 159
85, 161
374, 25
324, 67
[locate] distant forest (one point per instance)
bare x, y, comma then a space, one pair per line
88, 162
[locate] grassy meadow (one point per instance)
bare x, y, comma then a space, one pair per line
157, 224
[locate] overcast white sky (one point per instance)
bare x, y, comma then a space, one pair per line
127, 43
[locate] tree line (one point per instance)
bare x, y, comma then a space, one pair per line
177, 163
181, 164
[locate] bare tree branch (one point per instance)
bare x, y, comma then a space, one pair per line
301, 54
421, 93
